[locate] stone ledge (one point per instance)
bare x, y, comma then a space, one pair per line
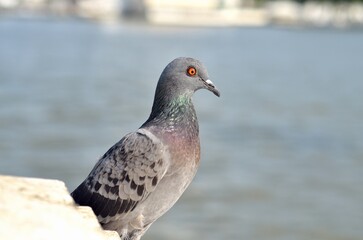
37, 209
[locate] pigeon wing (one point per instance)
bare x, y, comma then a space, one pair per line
125, 175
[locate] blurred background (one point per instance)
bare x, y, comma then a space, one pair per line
282, 149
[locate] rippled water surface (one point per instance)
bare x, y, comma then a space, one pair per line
282, 149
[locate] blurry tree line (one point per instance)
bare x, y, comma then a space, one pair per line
303, 1
334, 1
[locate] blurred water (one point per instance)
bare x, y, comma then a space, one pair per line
281, 149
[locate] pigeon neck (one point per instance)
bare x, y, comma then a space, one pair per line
174, 113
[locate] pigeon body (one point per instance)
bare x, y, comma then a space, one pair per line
141, 177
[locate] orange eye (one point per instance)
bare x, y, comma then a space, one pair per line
191, 71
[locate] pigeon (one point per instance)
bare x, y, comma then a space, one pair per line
141, 177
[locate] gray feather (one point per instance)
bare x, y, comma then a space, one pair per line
118, 180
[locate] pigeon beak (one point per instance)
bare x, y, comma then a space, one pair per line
211, 87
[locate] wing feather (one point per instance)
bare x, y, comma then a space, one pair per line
126, 174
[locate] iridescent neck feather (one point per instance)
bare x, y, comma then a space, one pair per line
178, 113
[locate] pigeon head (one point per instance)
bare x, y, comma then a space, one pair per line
177, 83
184, 76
